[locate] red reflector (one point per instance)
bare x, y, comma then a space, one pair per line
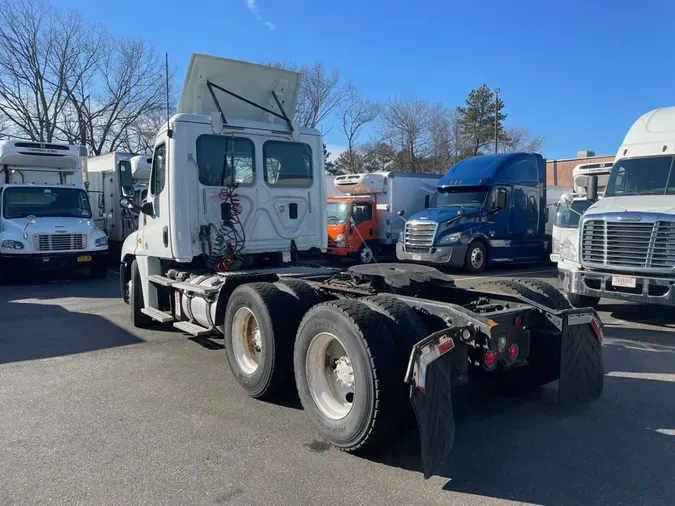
664, 148
513, 351
490, 358
624, 152
446, 346
519, 321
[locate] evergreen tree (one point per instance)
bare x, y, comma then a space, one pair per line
477, 121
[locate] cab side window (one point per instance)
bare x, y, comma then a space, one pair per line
362, 213
158, 177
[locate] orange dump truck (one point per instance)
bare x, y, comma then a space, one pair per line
364, 211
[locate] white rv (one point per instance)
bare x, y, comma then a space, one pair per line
566, 219
46, 219
624, 247
112, 177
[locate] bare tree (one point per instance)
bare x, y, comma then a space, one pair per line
40, 49
516, 139
355, 113
406, 126
320, 93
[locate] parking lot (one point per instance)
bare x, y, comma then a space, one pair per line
95, 411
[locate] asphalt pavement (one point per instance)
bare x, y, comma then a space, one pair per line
94, 411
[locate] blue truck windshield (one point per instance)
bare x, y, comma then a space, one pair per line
468, 196
642, 176
22, 201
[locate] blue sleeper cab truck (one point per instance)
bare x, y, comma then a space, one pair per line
486, 210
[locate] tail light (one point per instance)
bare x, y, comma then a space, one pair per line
490, 359
513, 352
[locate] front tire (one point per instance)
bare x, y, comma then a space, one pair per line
346, 374
4, 273
99, 270
260, 325
138, 319
476, 258
366, 254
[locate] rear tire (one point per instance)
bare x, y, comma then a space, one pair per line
305, 295
476, 258
556, 297
138, 319
353, 419
260, 325
583, 300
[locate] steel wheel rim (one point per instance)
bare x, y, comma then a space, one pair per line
366, 255
330, 376
476, 258
246, 341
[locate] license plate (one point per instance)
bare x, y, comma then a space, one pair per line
417, 257
84, 259
624, 281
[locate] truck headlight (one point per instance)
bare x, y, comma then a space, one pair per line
451, 238
568, 251
101, 241
9, 244
340, 241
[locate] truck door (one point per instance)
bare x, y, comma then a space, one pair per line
109, 212
362, 226
499, 224
526, 239
154, 232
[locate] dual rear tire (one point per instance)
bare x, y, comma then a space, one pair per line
348, 357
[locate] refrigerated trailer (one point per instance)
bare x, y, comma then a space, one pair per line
112, 177
45, 217
237, 190
363, 217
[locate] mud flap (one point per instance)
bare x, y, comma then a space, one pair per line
582, 370
430, 378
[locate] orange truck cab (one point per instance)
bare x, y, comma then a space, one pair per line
363, 220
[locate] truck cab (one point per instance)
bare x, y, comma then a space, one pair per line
624, 247
486, 210
352, 223
46, 221
566, 219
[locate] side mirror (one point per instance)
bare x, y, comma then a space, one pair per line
592, 189
147, 208
128, 191
426, 202
501, 198
401, 213
31, 219
567, 199
546, 214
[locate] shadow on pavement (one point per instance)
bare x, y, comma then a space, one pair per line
35, 331
617, 450
639, 313
53, 285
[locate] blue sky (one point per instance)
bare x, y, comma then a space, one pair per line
577, 72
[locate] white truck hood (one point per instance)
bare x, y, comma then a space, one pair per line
50, 225
637, 204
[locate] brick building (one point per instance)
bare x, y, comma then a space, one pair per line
559, 172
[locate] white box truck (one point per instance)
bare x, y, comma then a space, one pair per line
236, 189
363, 219
624, 247
46, 220
112, 177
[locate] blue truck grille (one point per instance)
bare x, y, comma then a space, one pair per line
419, 236
648, 246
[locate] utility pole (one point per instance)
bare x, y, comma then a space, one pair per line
497, 90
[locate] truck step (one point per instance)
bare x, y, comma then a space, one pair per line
189, 287
160, 280
191, 328
157, 314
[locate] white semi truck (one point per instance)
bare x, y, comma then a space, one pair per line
236, 190
45, 216
566, 219
112, 177
624, 247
